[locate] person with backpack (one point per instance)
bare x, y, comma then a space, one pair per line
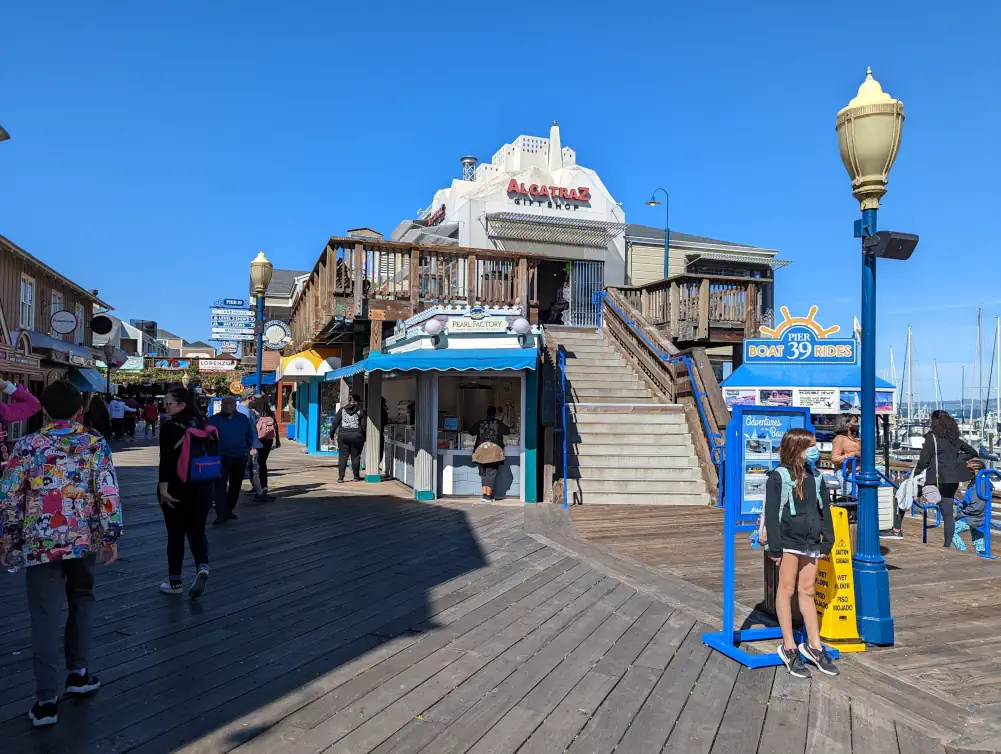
799, 531
350, 426
60, 514
267, 438
189, 469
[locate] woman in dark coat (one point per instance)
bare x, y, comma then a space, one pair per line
948, 462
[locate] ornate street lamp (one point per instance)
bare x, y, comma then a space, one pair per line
3, 134
869, 131
260, 277
667, 224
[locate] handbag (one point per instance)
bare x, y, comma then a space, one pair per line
488, 452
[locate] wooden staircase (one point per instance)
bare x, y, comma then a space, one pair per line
625, 445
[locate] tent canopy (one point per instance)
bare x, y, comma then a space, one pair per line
250, 380
848, 376
444, 360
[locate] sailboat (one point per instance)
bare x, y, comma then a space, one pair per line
911, 427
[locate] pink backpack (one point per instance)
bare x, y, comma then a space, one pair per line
265, 428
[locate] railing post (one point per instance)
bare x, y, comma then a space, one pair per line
415, 287
703, 332
471, 279
675, 306
563, 390
359, 280
523, 286
751, 311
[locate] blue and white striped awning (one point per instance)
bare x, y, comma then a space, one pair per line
444, 360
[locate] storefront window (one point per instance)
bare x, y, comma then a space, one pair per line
288, 404
329, 394
463, 403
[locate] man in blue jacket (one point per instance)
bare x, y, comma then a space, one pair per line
236, 444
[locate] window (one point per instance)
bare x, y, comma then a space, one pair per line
56, 306
81, 326
27, 302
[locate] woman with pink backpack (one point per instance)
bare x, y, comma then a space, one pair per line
267, 437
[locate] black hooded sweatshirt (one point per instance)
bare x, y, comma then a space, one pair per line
351, 421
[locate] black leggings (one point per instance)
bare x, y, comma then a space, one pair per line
262, 461
948, 508
186, 519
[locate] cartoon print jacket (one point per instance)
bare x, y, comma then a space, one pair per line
59, 497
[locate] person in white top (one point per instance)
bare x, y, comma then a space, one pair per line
117, 409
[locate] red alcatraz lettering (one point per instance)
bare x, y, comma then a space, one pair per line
558, 197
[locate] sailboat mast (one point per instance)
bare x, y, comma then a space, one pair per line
962, 396
980, 359
997, 368
938, 390
910, 377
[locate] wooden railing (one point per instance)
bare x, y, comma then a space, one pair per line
688, 307
645, 347
385, 280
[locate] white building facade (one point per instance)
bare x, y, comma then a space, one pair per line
533, 197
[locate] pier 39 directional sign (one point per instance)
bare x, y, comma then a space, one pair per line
800, 340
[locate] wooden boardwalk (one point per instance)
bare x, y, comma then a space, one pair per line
347, 618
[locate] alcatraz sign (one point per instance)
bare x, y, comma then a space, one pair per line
552, 196
800, 340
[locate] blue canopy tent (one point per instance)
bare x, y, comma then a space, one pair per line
250, 380
845, 376
444, 360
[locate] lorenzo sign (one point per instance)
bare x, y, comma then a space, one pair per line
800, 340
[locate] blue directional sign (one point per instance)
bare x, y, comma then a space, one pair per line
231, 303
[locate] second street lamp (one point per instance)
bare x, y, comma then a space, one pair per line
260, 277
869, 129
667, 225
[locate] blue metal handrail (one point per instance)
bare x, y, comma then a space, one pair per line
716, 447
561, 357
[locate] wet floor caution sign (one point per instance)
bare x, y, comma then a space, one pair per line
835, 590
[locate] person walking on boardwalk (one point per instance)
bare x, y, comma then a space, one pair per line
948, 462
150, 415
799, 531
236, 443
349, 427
23, 405
118, 411
267, 440
97, 418
59, 514
185, 502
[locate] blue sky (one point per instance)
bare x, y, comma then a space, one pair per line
157, 146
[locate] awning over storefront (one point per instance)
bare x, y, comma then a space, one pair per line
250, 380
310, 363
88, 380
61, 350
789, 375
444, 360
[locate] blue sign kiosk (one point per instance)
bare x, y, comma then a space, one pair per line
753, 437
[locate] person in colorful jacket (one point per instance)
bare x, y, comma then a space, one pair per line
59, 514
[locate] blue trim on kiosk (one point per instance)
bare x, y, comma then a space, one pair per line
753, 434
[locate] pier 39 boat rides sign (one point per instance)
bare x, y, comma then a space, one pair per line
800, 340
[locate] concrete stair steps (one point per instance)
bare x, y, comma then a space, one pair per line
613, 402
589, 349
607, 374
592, 363
599, 462
590, 381
637, 498
584, 414
674, 445
611, 394
607, 438
666, 476
638, 487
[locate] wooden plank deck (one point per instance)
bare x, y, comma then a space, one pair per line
347, 618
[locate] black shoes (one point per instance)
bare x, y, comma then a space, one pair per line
44, 714
78, 685
793, 662
819, 658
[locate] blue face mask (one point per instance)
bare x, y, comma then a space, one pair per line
813, 454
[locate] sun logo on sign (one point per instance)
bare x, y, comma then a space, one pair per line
789, 322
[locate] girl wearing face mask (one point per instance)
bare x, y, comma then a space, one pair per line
800, 531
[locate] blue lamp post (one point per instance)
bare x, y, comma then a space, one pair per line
667, 225
260, 276
869, 131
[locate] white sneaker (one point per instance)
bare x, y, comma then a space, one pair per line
198, 586
167, 588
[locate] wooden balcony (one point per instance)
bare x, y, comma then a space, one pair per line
359, 278
706, 309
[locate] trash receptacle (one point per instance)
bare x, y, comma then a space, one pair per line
771, 579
